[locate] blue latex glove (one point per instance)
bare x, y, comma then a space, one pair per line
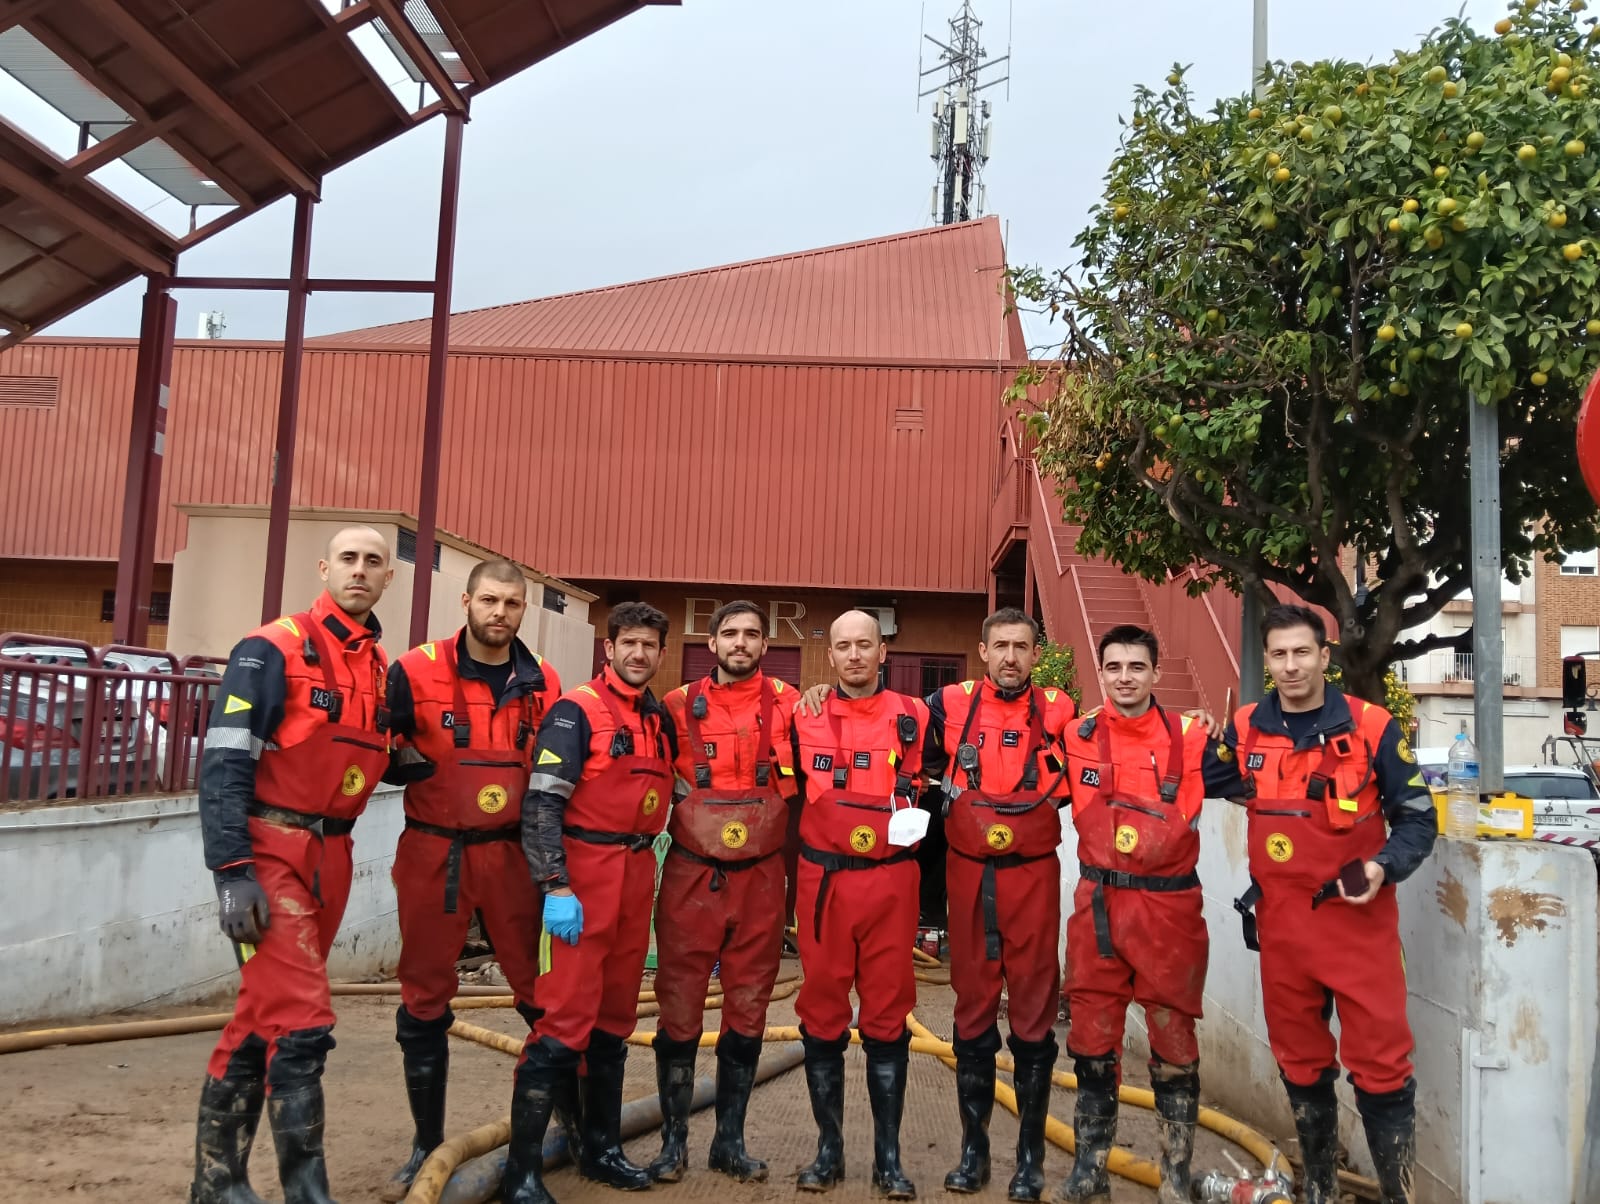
563, 917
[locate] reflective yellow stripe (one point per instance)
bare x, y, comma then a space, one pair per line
544, 953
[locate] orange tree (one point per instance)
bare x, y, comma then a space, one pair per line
1282, 306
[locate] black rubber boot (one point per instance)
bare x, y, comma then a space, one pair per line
825, 1085
1390, 1120
1316, 1123
297, 1124
230, 1110
1095, 1121
426, 1051
675, 1086
601, 1157
1035, 1062
737, 1056
533, 1093
1177, 1092
887, 1064
975, 1104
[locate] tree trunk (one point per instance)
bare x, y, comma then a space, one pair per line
1364, 677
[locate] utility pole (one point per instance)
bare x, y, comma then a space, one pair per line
1488, 684
961, 128
1252, 666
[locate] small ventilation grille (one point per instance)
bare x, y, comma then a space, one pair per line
35, 392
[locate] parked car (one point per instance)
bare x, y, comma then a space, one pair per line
1566, 803
43, 712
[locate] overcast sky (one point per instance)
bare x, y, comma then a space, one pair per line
723, 130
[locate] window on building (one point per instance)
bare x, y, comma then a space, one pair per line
554, 600
920, 673
1581, 564
405, 548
160, 606
1575, 641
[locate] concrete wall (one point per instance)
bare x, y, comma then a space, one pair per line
109, 906
216, 586
1502, 963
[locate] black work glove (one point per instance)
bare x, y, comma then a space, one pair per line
407, 765
242, 904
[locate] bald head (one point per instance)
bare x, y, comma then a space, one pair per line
356, 570
365, 537
856, 651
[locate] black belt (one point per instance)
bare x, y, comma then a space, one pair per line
720, 869
635, 842
1103, 878
832, 863
318, 825
459, 839
987, 892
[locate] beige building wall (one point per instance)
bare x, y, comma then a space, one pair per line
217, 585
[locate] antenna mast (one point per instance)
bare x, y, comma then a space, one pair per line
961, 127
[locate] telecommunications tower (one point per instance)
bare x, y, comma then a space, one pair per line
961, 128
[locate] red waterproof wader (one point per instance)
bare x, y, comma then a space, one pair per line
307, 798
1003, 878
609, 826
722, 888
857, 903
1314, 811
461, 851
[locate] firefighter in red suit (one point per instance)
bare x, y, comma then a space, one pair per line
722, 885
1339, 814
1137, 931
599, 794
296, 745
857, 903
995, 744
463, 713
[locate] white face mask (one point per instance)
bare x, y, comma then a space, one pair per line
908, 825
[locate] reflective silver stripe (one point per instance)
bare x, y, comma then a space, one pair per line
236, 738
548, 783
1419, 802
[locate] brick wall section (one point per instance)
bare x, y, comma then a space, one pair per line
1563, 601
932, 624
62, 598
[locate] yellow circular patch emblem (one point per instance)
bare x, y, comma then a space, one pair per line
1127, 839
1404, 749
998, 837
1224, 753
1279, 847
652, 800
862, 839
354, 781
734, 834
492, 800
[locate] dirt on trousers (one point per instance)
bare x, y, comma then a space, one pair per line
115, 1122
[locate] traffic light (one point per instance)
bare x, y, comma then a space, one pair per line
1574, 683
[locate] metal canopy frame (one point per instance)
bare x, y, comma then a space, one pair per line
246, 103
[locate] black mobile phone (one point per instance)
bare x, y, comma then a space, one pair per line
1353, 877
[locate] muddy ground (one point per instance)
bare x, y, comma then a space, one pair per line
115, 1122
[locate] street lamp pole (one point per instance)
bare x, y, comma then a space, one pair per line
1252, 669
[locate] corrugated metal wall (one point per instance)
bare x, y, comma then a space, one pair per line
877, 478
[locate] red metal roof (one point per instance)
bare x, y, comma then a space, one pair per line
867, 475
926, 296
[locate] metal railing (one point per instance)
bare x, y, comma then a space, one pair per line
78, 721
1452, 668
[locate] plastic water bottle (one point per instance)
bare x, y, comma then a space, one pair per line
1461, 781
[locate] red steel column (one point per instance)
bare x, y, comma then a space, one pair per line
294, 335
147, 438
438, 360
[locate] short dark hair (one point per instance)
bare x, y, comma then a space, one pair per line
1283, 616
635, 614
1010, 616
495, 569
739, 607
1127, 633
